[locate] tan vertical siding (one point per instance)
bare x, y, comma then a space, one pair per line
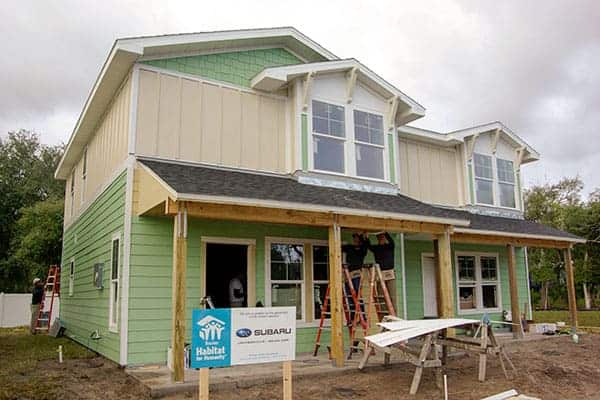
205, 122
106, 152
428, 172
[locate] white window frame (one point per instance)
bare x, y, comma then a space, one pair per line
478, 283
313, 281
306, 274
71, 276
113, 318
83, 174
357, 142
314, 134
492, 179
72, 192
513, 183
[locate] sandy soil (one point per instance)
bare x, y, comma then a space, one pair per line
550, 369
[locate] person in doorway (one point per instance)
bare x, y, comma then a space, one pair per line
355, 259
236, 292
383, 252
37, 295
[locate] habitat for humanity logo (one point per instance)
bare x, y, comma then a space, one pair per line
211, 328
211, 340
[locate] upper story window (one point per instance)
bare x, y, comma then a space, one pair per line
494, 187
369, 139
484, 179
329, 136
72, 192
506, 183
83, 175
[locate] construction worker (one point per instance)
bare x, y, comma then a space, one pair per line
383, 253
36, 301
355, 258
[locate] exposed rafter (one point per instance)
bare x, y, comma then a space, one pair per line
393, 108
351, 84
495, 139
306, 93
471, 146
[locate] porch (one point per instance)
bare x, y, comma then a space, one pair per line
188, 193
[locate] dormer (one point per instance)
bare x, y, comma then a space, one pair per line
345, 118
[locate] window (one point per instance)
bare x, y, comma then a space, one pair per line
484, 179
72, 191
329, 136
478, 283
320, 277
368, 134
84, 175
114, 284
287, 277
71, 277
506, 182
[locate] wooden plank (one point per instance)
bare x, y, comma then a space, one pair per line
445, 277
419, 371
287, 380
483, 355
461, 237
335, 283
571, 288
297, 217
514, 293
179, 284
203, 384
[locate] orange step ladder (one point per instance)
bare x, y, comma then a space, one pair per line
51, 292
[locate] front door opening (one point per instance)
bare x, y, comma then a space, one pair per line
429, 287
226, 267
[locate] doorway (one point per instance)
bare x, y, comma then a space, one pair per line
429, 286
226, 264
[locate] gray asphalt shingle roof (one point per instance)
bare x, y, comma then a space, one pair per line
200, 180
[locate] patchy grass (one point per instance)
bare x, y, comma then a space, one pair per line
20, 353
585, 318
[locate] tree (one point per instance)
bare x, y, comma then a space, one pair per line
26, 178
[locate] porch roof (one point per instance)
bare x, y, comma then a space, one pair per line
186, 182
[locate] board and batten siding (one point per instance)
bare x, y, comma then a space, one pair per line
88, 241
414, 277
106, 152
429, 173
186, 119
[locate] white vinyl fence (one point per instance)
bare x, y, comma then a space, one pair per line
15, 309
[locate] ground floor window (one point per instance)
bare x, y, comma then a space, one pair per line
478, 282
287, 276
114, 283
71, 277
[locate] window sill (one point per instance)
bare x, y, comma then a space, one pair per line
113, 329
480, 311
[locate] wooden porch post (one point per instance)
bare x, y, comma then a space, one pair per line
335, 295
178, 295
514, 294
571, 288
444, 284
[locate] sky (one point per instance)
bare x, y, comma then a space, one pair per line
534, 65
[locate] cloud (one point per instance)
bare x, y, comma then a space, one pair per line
533, 65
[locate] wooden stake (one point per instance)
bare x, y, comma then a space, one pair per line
571, 289
203, 384
335, 283
514, 293
287, 380
178, 293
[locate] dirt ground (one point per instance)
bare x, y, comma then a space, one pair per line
554, 368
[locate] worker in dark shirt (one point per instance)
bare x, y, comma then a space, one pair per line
355, 258
383, 253
37, 295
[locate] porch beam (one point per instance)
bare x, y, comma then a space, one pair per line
460, 237
335, 294
514, 293
178, 294
444, 284
297, 217
571, 288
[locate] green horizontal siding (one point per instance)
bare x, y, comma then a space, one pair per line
89, 241
414, 276
237, 67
